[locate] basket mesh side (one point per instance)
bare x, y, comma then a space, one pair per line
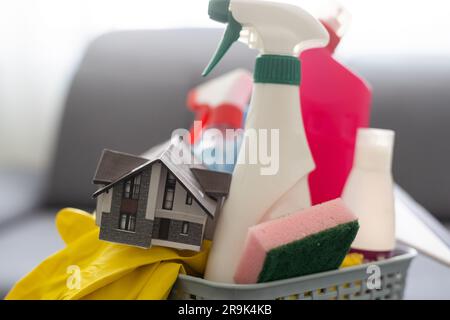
392, 287
337, 285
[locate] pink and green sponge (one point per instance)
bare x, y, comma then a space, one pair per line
310, 241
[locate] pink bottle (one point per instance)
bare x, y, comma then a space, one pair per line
335, 102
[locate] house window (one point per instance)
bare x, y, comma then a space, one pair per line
127, 222
189, 199
169, 191
127, 189
132, 187
136, 186
185, 228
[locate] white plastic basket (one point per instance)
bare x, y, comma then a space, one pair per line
349, 283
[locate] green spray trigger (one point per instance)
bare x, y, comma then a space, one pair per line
218, 10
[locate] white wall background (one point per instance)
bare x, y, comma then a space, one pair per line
41, 42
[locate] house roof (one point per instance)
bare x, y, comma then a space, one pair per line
114, 164
214, 183
169, 155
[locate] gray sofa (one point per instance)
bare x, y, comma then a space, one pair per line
129, 94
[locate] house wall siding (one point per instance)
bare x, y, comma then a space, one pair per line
194, 214
109, 230
103, 205
179, 204
194, 236
149, 213
174, 215
154, 191
99, 210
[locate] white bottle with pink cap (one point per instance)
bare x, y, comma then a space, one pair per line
369, 193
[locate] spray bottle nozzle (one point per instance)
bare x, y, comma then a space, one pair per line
272, 28
218, 10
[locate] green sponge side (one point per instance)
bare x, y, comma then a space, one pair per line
319, 252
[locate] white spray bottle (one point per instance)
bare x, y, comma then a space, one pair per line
261, 191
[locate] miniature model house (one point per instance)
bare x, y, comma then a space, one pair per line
145, 202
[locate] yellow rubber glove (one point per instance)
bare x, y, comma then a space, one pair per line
88, 268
